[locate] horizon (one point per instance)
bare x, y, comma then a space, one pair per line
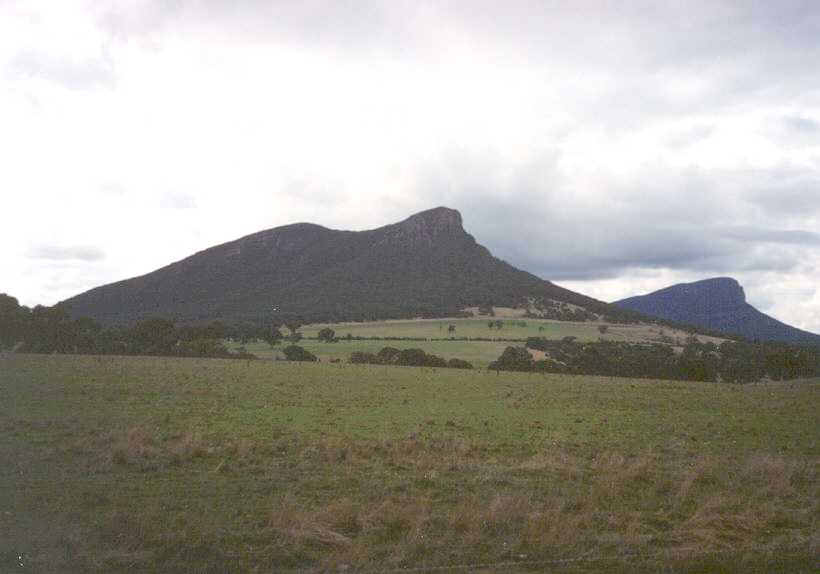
613, 151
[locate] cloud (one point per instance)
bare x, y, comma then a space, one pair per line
55, 252
612, 146
72, 74
754, 235
801, 125
178, 201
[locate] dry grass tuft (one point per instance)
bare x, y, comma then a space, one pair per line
133, 445
298, 527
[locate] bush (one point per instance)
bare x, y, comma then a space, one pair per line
327, 335
435, 361
388, 355
411, 358
407, 358
361, 358
458, 364
296, 353
513, 359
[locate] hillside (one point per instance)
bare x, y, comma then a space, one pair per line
718, 304
426, 265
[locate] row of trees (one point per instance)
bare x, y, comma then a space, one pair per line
53, 330
734, 362
407, 358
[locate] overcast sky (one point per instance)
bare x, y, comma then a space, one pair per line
613, 147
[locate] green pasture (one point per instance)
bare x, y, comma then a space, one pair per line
472, 328
478, 353
207, 465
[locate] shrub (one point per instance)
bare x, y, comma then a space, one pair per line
513, 359
361, 358
388, 355
411, 358
458, 364
296, 353
435, 361
327, 335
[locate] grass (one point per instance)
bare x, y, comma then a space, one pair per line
435, 331
437, 328
213, 465
478, 353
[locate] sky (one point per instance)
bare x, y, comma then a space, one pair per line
612, 147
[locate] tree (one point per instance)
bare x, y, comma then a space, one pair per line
14, 321
327, 335
153, 337
274, 336
513, 359
411, 358
490, 324
296, 353
293, 325
458, 364
388, 355
363, 358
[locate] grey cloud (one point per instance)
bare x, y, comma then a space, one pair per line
64, 253
685, 220
783, 191
621, 61
794, 236
72, 74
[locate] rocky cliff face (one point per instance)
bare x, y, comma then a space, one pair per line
718, 304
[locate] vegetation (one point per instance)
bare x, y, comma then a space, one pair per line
477, 353
508, 329
327, 335
296, 353
732, 362
52, 330
407, 358
168, 464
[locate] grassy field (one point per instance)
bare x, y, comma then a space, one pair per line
478, 353
437, 328
197, 465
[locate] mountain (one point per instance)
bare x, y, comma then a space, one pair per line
717, 304
426, 265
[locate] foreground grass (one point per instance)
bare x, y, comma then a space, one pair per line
209, 465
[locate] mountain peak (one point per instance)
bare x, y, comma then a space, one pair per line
424, 266
438, 219
425, 227
718, 304
716, 290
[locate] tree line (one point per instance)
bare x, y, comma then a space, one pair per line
52, 330
731, 361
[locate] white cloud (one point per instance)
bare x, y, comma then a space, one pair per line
616, 150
